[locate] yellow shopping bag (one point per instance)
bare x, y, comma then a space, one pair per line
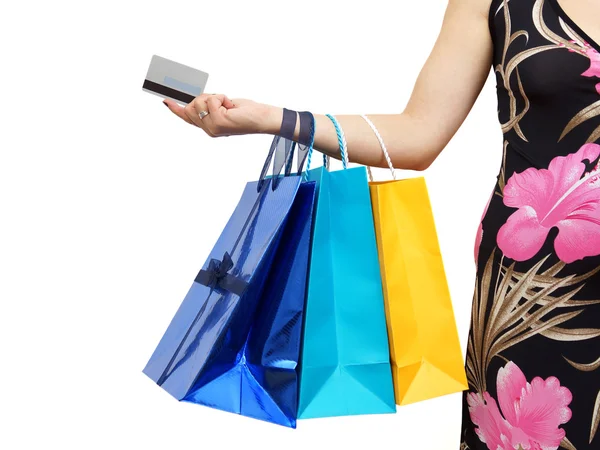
426, 356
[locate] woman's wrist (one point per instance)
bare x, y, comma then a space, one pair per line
269, 119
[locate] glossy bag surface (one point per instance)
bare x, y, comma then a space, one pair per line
234, 343
345, 366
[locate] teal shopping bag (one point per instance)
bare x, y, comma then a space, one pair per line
345, 364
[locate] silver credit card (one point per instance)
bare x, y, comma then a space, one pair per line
169, 79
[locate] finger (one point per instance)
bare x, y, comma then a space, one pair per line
216, 113
212, 104
177, 110
199, 104
192, 115
202, 103
215, 105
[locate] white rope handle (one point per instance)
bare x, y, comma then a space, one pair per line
383, 147
346, 157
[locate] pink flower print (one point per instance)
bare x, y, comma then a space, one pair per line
555, 197
594, 56
533, 412
594, 70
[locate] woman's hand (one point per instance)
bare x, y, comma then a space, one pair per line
227, 117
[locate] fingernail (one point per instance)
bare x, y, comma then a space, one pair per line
165, 103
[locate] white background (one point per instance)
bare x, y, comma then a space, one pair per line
109, 202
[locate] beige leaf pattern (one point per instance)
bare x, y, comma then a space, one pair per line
585, 367
505, 69
521, 305
585, 114
595, 136
571, 33
505, 72
545, 31
566, 444
577, 45
595, 418
518, 59
566, 335
590, 367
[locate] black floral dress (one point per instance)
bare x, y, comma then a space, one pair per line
533, 358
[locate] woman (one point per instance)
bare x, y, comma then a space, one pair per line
533, 368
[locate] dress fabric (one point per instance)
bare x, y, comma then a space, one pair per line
533, 356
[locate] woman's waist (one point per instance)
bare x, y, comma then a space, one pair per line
519, 155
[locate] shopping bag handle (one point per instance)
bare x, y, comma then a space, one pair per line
306, 141
282, 148
305, 146
312, 143
341, 142
383, 148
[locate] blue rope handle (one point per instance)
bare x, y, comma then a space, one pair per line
341, 140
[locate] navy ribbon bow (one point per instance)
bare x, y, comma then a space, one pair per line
217, 276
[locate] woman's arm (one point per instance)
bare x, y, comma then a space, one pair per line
443, 95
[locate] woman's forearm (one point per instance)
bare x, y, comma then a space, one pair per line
443, 95
404, 141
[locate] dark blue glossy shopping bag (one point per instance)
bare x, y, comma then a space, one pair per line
234, 343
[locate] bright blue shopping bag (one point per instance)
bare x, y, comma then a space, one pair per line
345, 365
234, 343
